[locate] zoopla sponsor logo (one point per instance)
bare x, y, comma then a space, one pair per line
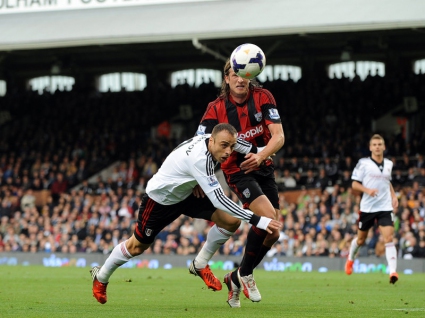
258, 130
276, 266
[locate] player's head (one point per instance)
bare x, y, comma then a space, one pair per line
222, 141
377, 137
377, 144
233, 84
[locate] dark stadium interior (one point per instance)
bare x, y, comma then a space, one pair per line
398, 46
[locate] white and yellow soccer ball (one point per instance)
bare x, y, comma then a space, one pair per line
247, 60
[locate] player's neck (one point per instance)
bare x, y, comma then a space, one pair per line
239, 100
378, 159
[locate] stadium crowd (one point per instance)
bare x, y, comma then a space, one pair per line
56, 142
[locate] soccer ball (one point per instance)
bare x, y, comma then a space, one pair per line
247, 60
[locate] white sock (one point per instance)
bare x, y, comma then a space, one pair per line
216, 237
391, 254
354, 247
118, 257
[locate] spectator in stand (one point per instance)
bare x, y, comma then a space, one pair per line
59, 186
28, 200
398, 179
281, 165
288, 180
306, 164
132, 171
345, 179
140, 187
405, 163
299, 179
410, 248
310, 180
420, 178
420, 161
82, 172
5, 208
331, 169
411, 174
86, 187
150, 168
294, 165
323, 180
421, 249
414, 191
347, 164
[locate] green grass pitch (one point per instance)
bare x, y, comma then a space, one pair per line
37, 291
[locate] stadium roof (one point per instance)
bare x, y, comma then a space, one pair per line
204, 20
158, 37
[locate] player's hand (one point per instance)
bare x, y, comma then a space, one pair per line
268, 224
394, 202
198, 192
372, 192
274, 226
252, 162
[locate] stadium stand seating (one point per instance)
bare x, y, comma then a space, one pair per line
57, 141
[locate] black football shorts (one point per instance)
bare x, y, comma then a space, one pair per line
153, 217
367, 220
250, 186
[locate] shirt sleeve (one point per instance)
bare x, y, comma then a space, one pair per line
203, 172
207, 124
208, 121
358, 172
245, 147
269, 108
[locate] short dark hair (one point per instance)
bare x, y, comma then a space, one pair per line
223, 126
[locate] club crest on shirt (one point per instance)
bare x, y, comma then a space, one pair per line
274, 114
201, 130
148, 232
258, 116
246, 193
212, 181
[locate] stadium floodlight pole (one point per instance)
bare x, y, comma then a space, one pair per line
203, 48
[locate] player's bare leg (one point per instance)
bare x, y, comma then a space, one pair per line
243, 277
356, 243
225, 226
390, 252
120, 255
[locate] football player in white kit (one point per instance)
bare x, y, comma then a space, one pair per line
372, 177
170, 193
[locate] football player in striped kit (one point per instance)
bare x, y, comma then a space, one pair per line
252, 110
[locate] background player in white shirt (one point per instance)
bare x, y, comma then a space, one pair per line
372, 177
170, 193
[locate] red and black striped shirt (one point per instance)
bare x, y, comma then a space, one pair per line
251, 120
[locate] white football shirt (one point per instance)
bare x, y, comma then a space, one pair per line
188, 165
374, 176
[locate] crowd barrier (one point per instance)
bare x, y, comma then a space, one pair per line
276, 264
